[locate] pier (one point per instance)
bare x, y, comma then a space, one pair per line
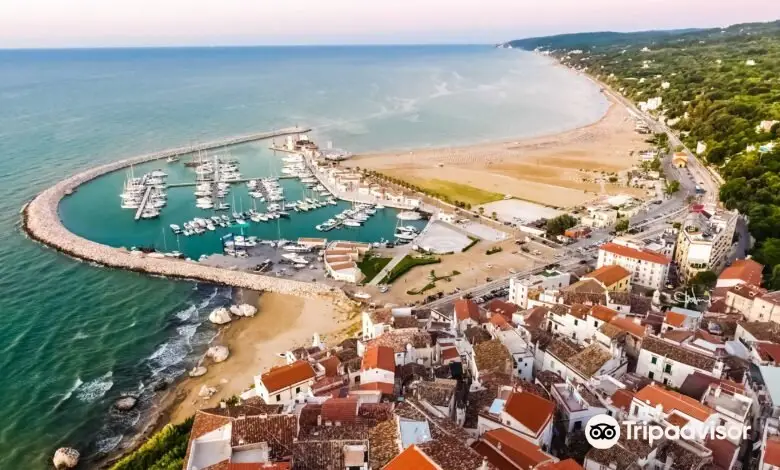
145, 200
242, 180
41, 221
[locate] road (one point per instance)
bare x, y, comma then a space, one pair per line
671, 207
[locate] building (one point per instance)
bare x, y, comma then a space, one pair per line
341, 260
670, 364
523, 413
614, 278
410, 345
680, 159
764, 308
656, 403
466, 313
742, 298
378, 370
549, 279
704, 242
678, 318
577, 404
283, 384
600, 217
648, 268
741, 271
505, 450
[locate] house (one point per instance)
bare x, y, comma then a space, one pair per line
466, 313
600, 217
489, 356
613, 277
741, 271
439, 395
410, 345
519, 349
506, 450
670, 364
648, 268
376, 322
741, 298
549, 279
625, 330
770, 446
680, 159
283, 384
765, 308
681, 318
704, 241
733, 405
577, 404
579, 364
436, 454
523, 413
656, 403
378, 370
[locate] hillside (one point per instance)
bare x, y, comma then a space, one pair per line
715, 87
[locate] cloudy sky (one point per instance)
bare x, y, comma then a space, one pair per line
96, 23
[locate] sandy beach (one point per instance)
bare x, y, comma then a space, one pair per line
281, 323
563, 169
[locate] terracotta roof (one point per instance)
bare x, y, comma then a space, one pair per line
772, 451
385, 388
533, 411
644, 255
519, 451
383, 441
412, 457
282, 377
331, 365
279, 431
568, 464
722, 452
675, 319
379, 357
500, 322
590, 360
342, 410
400, 337
259, 466
492, 355
772, 297
622, 399
502, 307
673, 401
678, 353
449, 353
534, 317
746, 270
437, 393
678, 420
586, 286
747, 291
579, 311
762, 331
381, 315
768, 351
626, 324
678, 336
465, 309
602, 313
609, 274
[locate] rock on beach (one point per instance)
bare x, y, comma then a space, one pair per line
66, 457
220, 316
218, 353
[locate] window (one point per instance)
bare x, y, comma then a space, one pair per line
650, 375
577, 425
297, 389
278, 398
668, 369
666, 381
576, 322
596, 323
654, 360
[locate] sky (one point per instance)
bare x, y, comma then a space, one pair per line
119, 23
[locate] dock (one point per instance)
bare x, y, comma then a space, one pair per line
242, 180
145, 200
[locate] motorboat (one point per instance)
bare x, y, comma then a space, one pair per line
150, 213
352, 223
405, 236
409, 215
175, 228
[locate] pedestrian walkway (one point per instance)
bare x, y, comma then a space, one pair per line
393, 263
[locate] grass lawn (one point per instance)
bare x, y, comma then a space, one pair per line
406, 264
371, 265
457, 191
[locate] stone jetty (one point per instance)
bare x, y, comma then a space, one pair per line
42, 223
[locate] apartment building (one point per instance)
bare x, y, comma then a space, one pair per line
648, 268
704, 241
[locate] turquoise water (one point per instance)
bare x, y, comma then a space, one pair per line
73, 337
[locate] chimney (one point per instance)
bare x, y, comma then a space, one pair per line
484, 465
319, 420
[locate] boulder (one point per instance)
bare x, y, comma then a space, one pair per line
220, 316
218, 353
197, 371
66, 457
207, 392
243, 310
126, 403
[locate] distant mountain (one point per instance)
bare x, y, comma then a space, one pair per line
587, 41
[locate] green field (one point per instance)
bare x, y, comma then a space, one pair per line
451, 192
406, 264
372, 265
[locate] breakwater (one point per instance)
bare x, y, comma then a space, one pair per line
40, 220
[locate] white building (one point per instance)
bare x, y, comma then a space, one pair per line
518, 288
648, 268
704, 242
655, 403
668, 363
577, 404
513, 416
377, 371
600, 217
522, 353
282, 385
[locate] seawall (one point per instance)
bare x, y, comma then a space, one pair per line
41, 221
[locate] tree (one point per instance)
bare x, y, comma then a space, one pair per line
704, 279
672, 187
493, 215
621, 225
557, 225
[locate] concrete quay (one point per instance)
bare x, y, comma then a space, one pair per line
40, 220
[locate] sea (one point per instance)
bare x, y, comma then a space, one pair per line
74, 337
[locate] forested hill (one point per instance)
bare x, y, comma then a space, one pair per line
718, 88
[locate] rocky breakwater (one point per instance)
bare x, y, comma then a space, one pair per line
42, 223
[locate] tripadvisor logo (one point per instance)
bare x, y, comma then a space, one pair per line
603, 432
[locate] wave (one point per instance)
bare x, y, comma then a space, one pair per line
80, 335
69, 393
95, 389
107, 444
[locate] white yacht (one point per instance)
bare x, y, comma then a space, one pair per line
409, 215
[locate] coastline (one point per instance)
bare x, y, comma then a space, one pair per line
562, 169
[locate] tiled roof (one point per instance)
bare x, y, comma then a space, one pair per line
534, 317
609, 274
381, 315
622, 399
673, 401
437, 393
563, 349
746, 270
449, 353
278, 431
331, 365
385, 388
502, 307
772, 451
678, 336
772, 297
327, 450
602, 313
405, 321
465, 309
626, 324
204, 423
762, 331
722, 452
568, 464
379, 357
533, 411
768, 351
500, 322
586, 286
678, 353
519, 451
747, 291
411, 458
579, 311
628, 252
384, 446
590, 360
675, 319
399, 338
341, 410
492, 355
279, 378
